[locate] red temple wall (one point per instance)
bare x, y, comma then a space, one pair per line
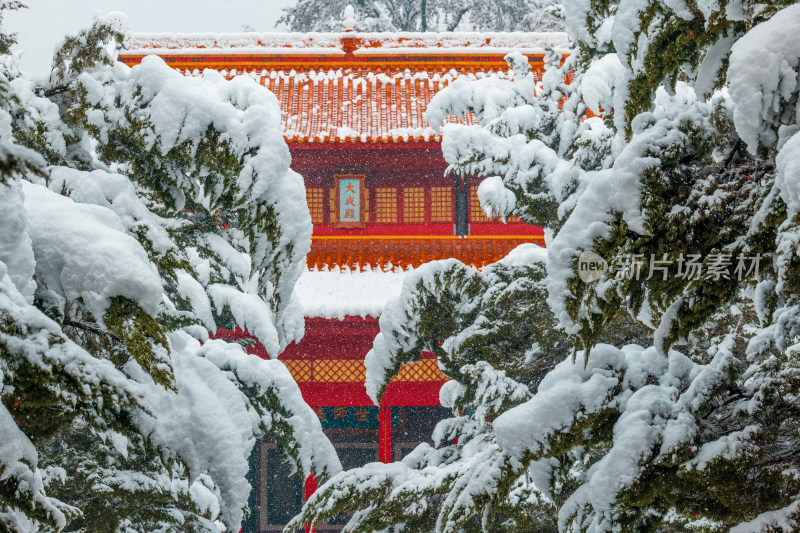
398, 166
339, 348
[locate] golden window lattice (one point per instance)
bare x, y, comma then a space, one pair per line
425, 370
476, 213
339, 370
332, 205
315, 198
441, 204
354, 371
413, 205
385, 205
301, 369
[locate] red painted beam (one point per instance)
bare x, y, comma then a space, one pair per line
477, 229
390, 230
412, 393
350, 338
358, 145
311, 488
409, 161
499, 229
406, 393
385, 434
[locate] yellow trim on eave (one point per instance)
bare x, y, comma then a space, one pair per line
425, 237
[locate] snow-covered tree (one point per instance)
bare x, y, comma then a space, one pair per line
495, 336
684, 179
466, 317
141, 211
426, 15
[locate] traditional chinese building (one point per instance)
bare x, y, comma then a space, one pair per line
353, 115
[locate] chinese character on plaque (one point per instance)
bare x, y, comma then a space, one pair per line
339, 413
361, 414
350, 200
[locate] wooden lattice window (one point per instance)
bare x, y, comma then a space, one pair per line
332, 205
386, 205
441, 204
413, 205
315, 198
476, 213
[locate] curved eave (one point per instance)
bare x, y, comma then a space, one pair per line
296, 143
358, 144
234, 59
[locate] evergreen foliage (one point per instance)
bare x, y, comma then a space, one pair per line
130, 232
636, 160
466, 317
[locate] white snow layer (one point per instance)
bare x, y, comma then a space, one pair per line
117, 193
787, 175
763, 77
335, 294
15, 243
495, 199
83, 251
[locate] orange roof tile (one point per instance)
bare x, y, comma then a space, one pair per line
355, 253
366, 104
348, 87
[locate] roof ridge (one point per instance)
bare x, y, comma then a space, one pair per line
349, 42
333, 94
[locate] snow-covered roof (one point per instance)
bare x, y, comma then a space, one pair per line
337, 294
340, 293
348, 87
369, 104
365, 44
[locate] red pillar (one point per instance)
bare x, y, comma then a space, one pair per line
311, 488
385, 434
